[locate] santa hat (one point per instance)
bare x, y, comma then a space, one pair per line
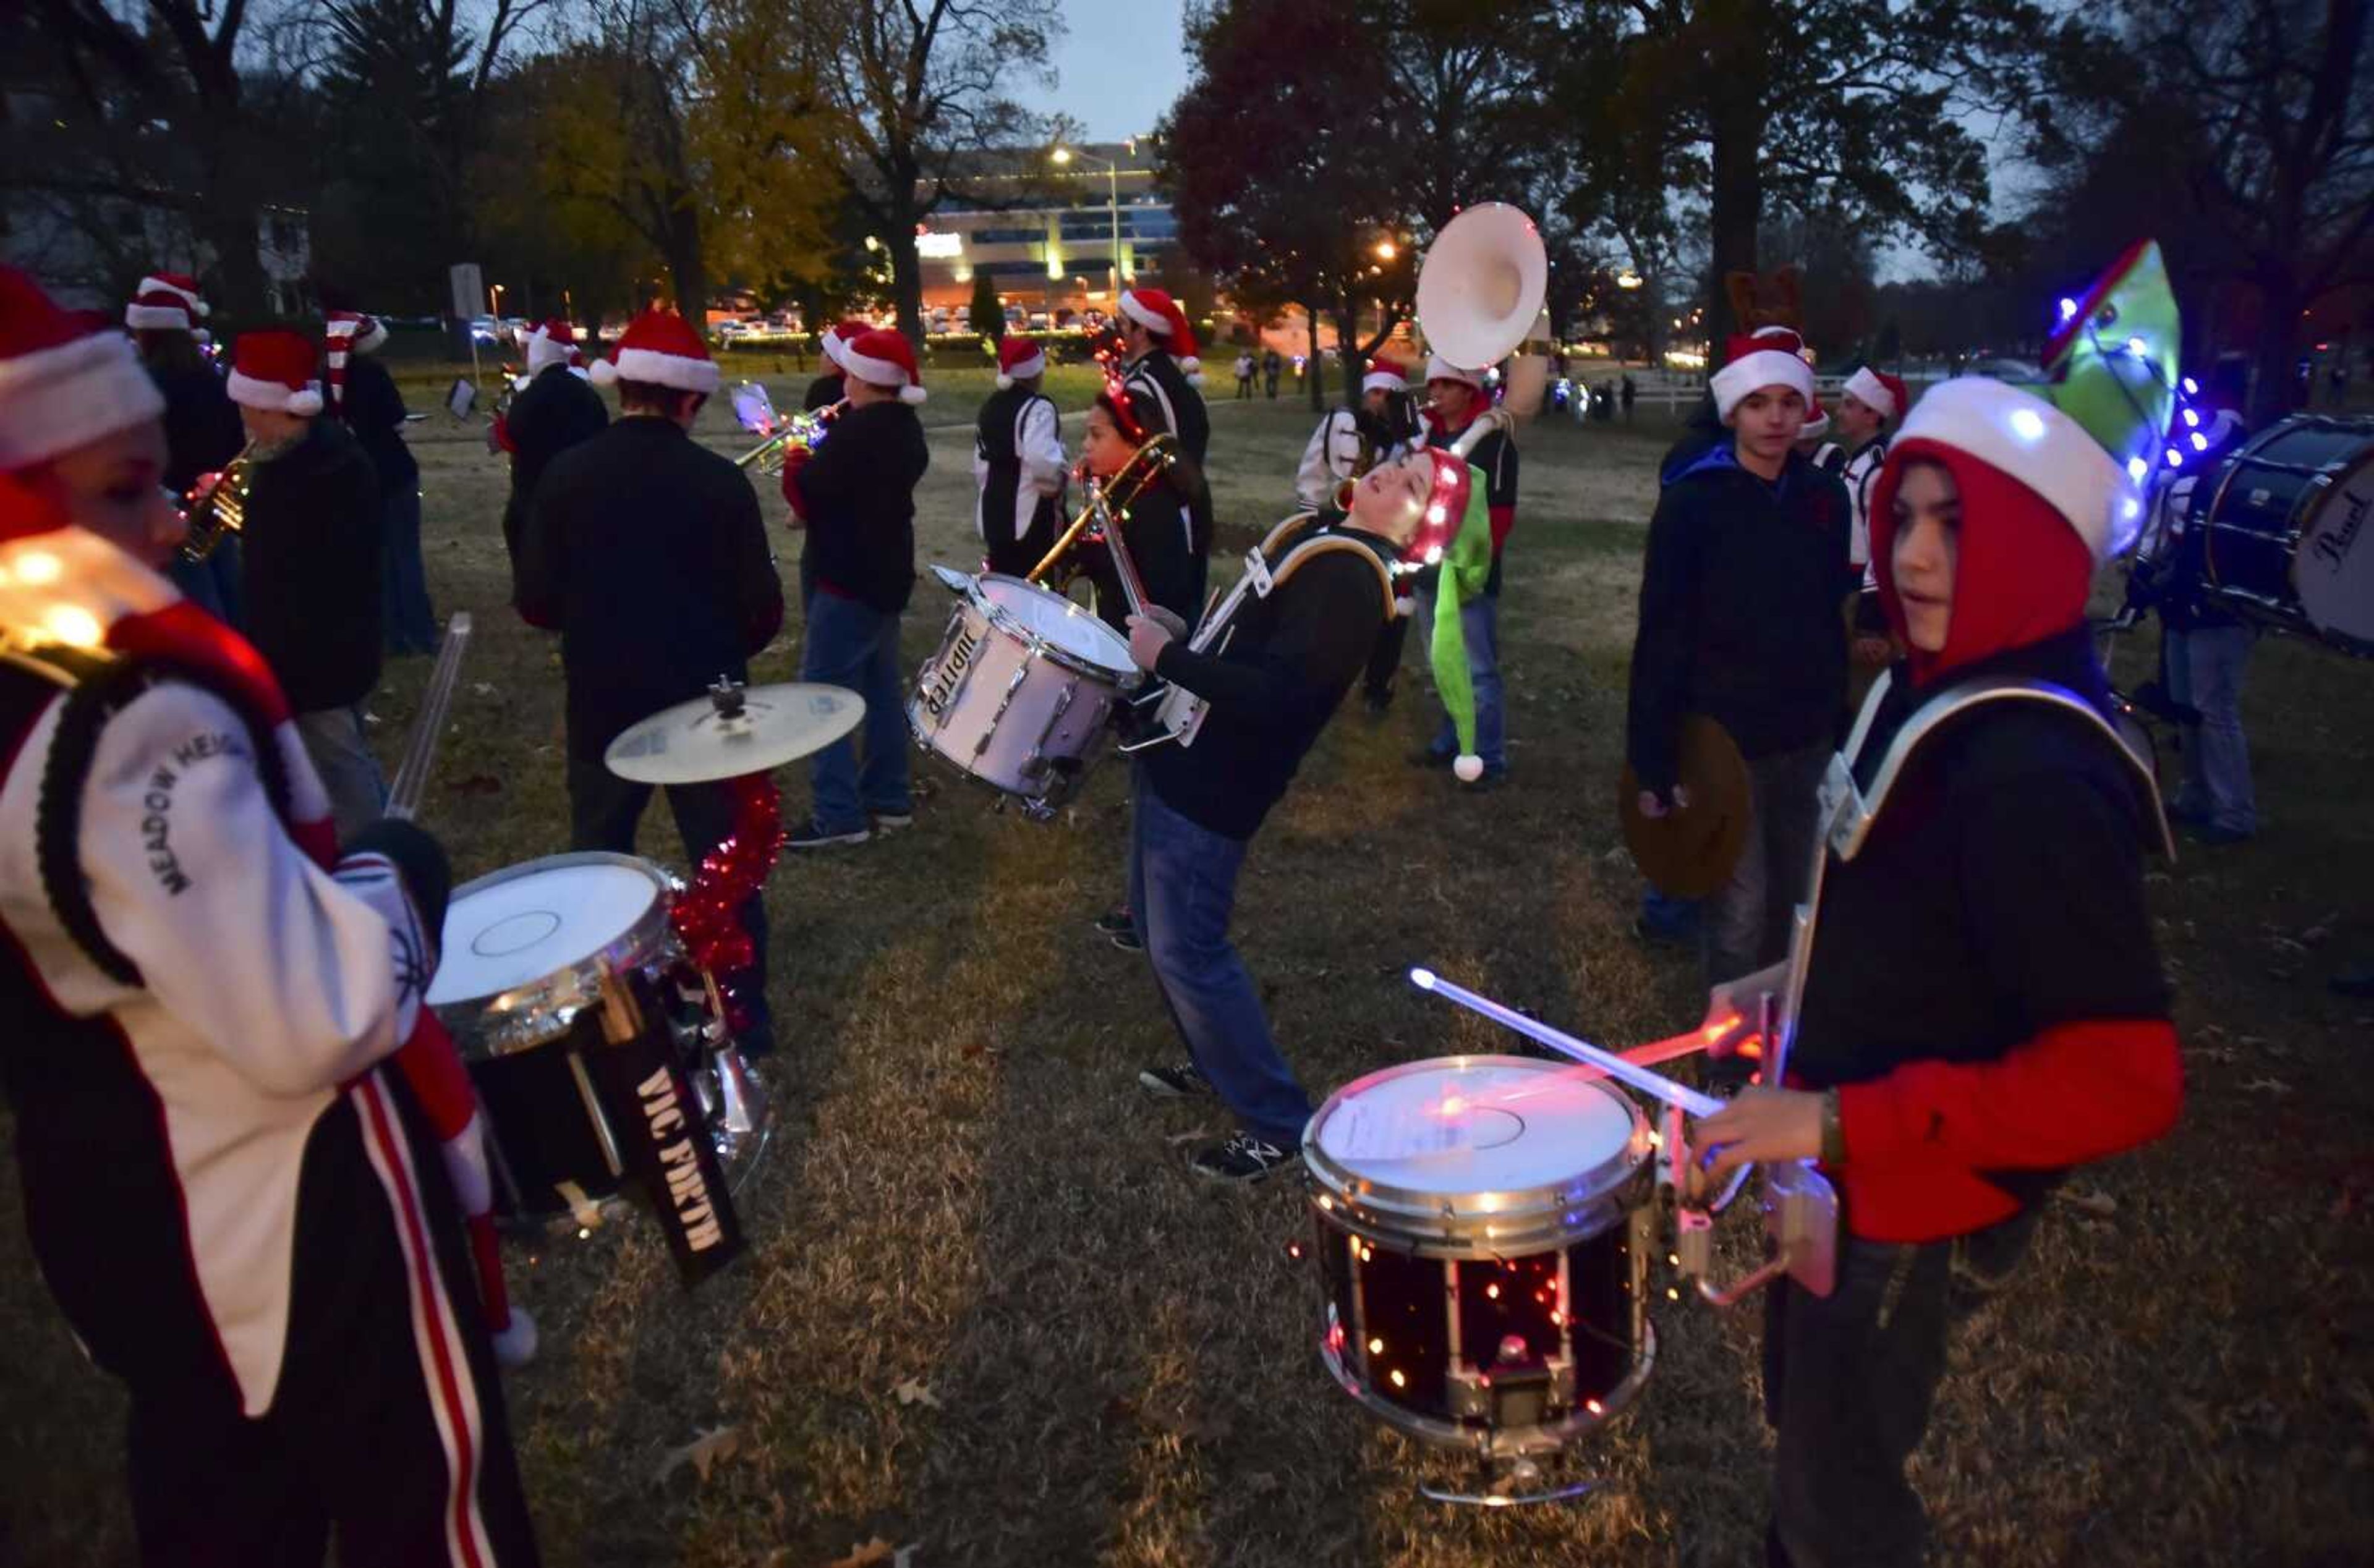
1018, 359
2021, 435
1159, 314
658, 347
1766, 357
1884, 394
1438, 368
273, 369
1385, 376
553, 342
839, 336
884, 359
60, 385
1818, 421
348, 332
165, 301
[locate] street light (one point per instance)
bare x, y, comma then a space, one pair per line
1628, 278
1062, 157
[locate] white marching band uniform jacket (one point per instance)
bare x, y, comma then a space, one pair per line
1334, 455
1862, 470
1037, 448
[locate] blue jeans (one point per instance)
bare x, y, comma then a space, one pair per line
856, 646
406, 619
1183, 885
1669, 917
1479, 619
2205, 672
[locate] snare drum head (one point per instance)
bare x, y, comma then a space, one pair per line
1056, 621
525, 922
1462, 1126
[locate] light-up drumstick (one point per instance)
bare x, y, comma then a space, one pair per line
1655, 1084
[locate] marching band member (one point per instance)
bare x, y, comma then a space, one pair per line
1018, 462
202, 428
1873, 402
554, 411
1457, 397
312, 562
832, 385
854, 493
1162, 374
1740, 594
1352, 439
1155, 526
231, 1197
1814, 439
645, 551
1196, 809
1984, 1007
364, 395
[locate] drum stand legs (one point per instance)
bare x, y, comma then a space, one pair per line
1509, 1483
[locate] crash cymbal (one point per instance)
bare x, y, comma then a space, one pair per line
1689, 851
733, 731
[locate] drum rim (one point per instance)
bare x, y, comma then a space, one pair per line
1496, 1442
645, 935
999, 617
1505, 1216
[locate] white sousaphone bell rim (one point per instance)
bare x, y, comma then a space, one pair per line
1460, 321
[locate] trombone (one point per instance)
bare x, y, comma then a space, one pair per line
784, 433
213, 514
1109, 503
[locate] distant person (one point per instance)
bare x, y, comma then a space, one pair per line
1272, 368
363, 395
832, 386
1872, 404
1457, 399
1018, 462
2205, 652
203, 432
1627, 392
554, 411
1245, 374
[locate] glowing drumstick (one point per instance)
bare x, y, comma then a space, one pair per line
1655, 1084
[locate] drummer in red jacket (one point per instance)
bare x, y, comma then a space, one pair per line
1984, 1008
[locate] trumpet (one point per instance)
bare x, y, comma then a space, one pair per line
214, 514
1108, 500
785, 433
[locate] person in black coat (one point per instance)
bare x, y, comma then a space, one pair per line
554, 412
202, 428
854, 493
1157, 527
646, 552
832, 386
1739, 621
311, 564
364, 395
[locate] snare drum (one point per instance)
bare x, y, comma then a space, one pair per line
1483, 1239
1021, 690
2286, 530
518, 985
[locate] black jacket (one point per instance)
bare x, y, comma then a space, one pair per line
646, 552
1740, 611
857, 496
310, 569
374, 411
554, 413
825, 390
1157, 532
1272, 689
202, 428
1163, 396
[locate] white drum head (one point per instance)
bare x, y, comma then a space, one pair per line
1057, 622
2333, 572
1469, 1125
533, 921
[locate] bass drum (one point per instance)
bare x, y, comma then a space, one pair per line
2285, 530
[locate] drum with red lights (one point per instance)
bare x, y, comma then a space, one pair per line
1483, 1231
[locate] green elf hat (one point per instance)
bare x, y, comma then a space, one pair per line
1456, 535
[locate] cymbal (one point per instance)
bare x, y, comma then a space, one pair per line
733, 731
1690, 852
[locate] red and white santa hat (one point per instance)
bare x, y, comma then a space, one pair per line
1018, 359
1384, 375
1768, 356
2022, 435
1159, 314
553, 342
165, 301
1818, 421
1884, 394
62, 385
1438, 368
658, 347
884, 358
273, 369
839, 336
348, 332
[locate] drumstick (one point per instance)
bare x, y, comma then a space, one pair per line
420, 746
1632, 1074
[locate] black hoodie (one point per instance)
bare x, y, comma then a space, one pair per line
310, 569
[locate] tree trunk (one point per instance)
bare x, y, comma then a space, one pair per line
1347, 349
688, 266
1316, 362
2273, 391
1735, 204
907, 284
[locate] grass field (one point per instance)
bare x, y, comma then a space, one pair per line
986, 1314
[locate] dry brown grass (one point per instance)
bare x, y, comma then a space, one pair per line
967, 1191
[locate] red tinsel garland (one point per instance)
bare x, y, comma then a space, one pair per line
708, 915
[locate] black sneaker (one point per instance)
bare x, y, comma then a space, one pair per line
1184, 1082
814, 835
1242, 1158
1121, 930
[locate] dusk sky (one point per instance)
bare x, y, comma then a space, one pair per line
1120, 64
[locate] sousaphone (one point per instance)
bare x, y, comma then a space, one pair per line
1479, 300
